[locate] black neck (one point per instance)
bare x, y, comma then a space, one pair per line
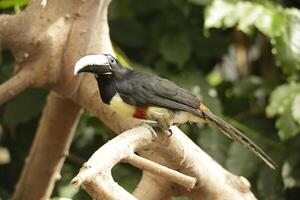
106, 87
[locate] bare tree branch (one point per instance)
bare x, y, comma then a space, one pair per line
49, 150
213, 181
59, 41
15, 85
123, 149
95, 175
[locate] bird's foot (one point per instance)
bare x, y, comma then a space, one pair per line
151, 127
154, 127
168, 132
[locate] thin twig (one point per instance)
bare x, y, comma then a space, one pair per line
15, 85
160, 170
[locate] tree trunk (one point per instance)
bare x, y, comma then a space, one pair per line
49, 150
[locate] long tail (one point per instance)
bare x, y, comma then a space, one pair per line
235, 134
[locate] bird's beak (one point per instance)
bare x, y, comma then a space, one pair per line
96, 64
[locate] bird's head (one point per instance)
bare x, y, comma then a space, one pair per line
100, 65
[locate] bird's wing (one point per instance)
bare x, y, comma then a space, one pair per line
150, 90
145, 90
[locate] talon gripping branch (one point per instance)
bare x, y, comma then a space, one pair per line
149, 97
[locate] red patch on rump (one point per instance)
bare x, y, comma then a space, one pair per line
140, 112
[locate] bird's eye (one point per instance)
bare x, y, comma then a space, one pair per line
112, 61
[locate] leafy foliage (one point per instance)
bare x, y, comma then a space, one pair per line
281, 25
283, 100
16, 4
12, 3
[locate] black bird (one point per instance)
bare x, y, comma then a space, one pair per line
150, 97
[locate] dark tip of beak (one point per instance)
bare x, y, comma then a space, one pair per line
96, 69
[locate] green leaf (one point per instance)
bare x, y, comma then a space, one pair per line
175, 48
24, 107
216, 13
281, 25
12, 3
240, 161
282, 98
17, 8
286, 45
287, 127
272, 21
296, 109
281, 103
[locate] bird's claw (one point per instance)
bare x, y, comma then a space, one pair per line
155, 126
150, 127
168, 133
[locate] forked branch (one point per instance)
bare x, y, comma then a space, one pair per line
95, 174
213, 181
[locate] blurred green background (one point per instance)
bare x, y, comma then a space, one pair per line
242, 58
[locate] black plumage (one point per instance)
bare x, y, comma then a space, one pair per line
150, 90
147, 90
106, 87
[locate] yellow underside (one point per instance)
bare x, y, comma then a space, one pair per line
119, 106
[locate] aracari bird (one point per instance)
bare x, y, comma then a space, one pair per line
149, 97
